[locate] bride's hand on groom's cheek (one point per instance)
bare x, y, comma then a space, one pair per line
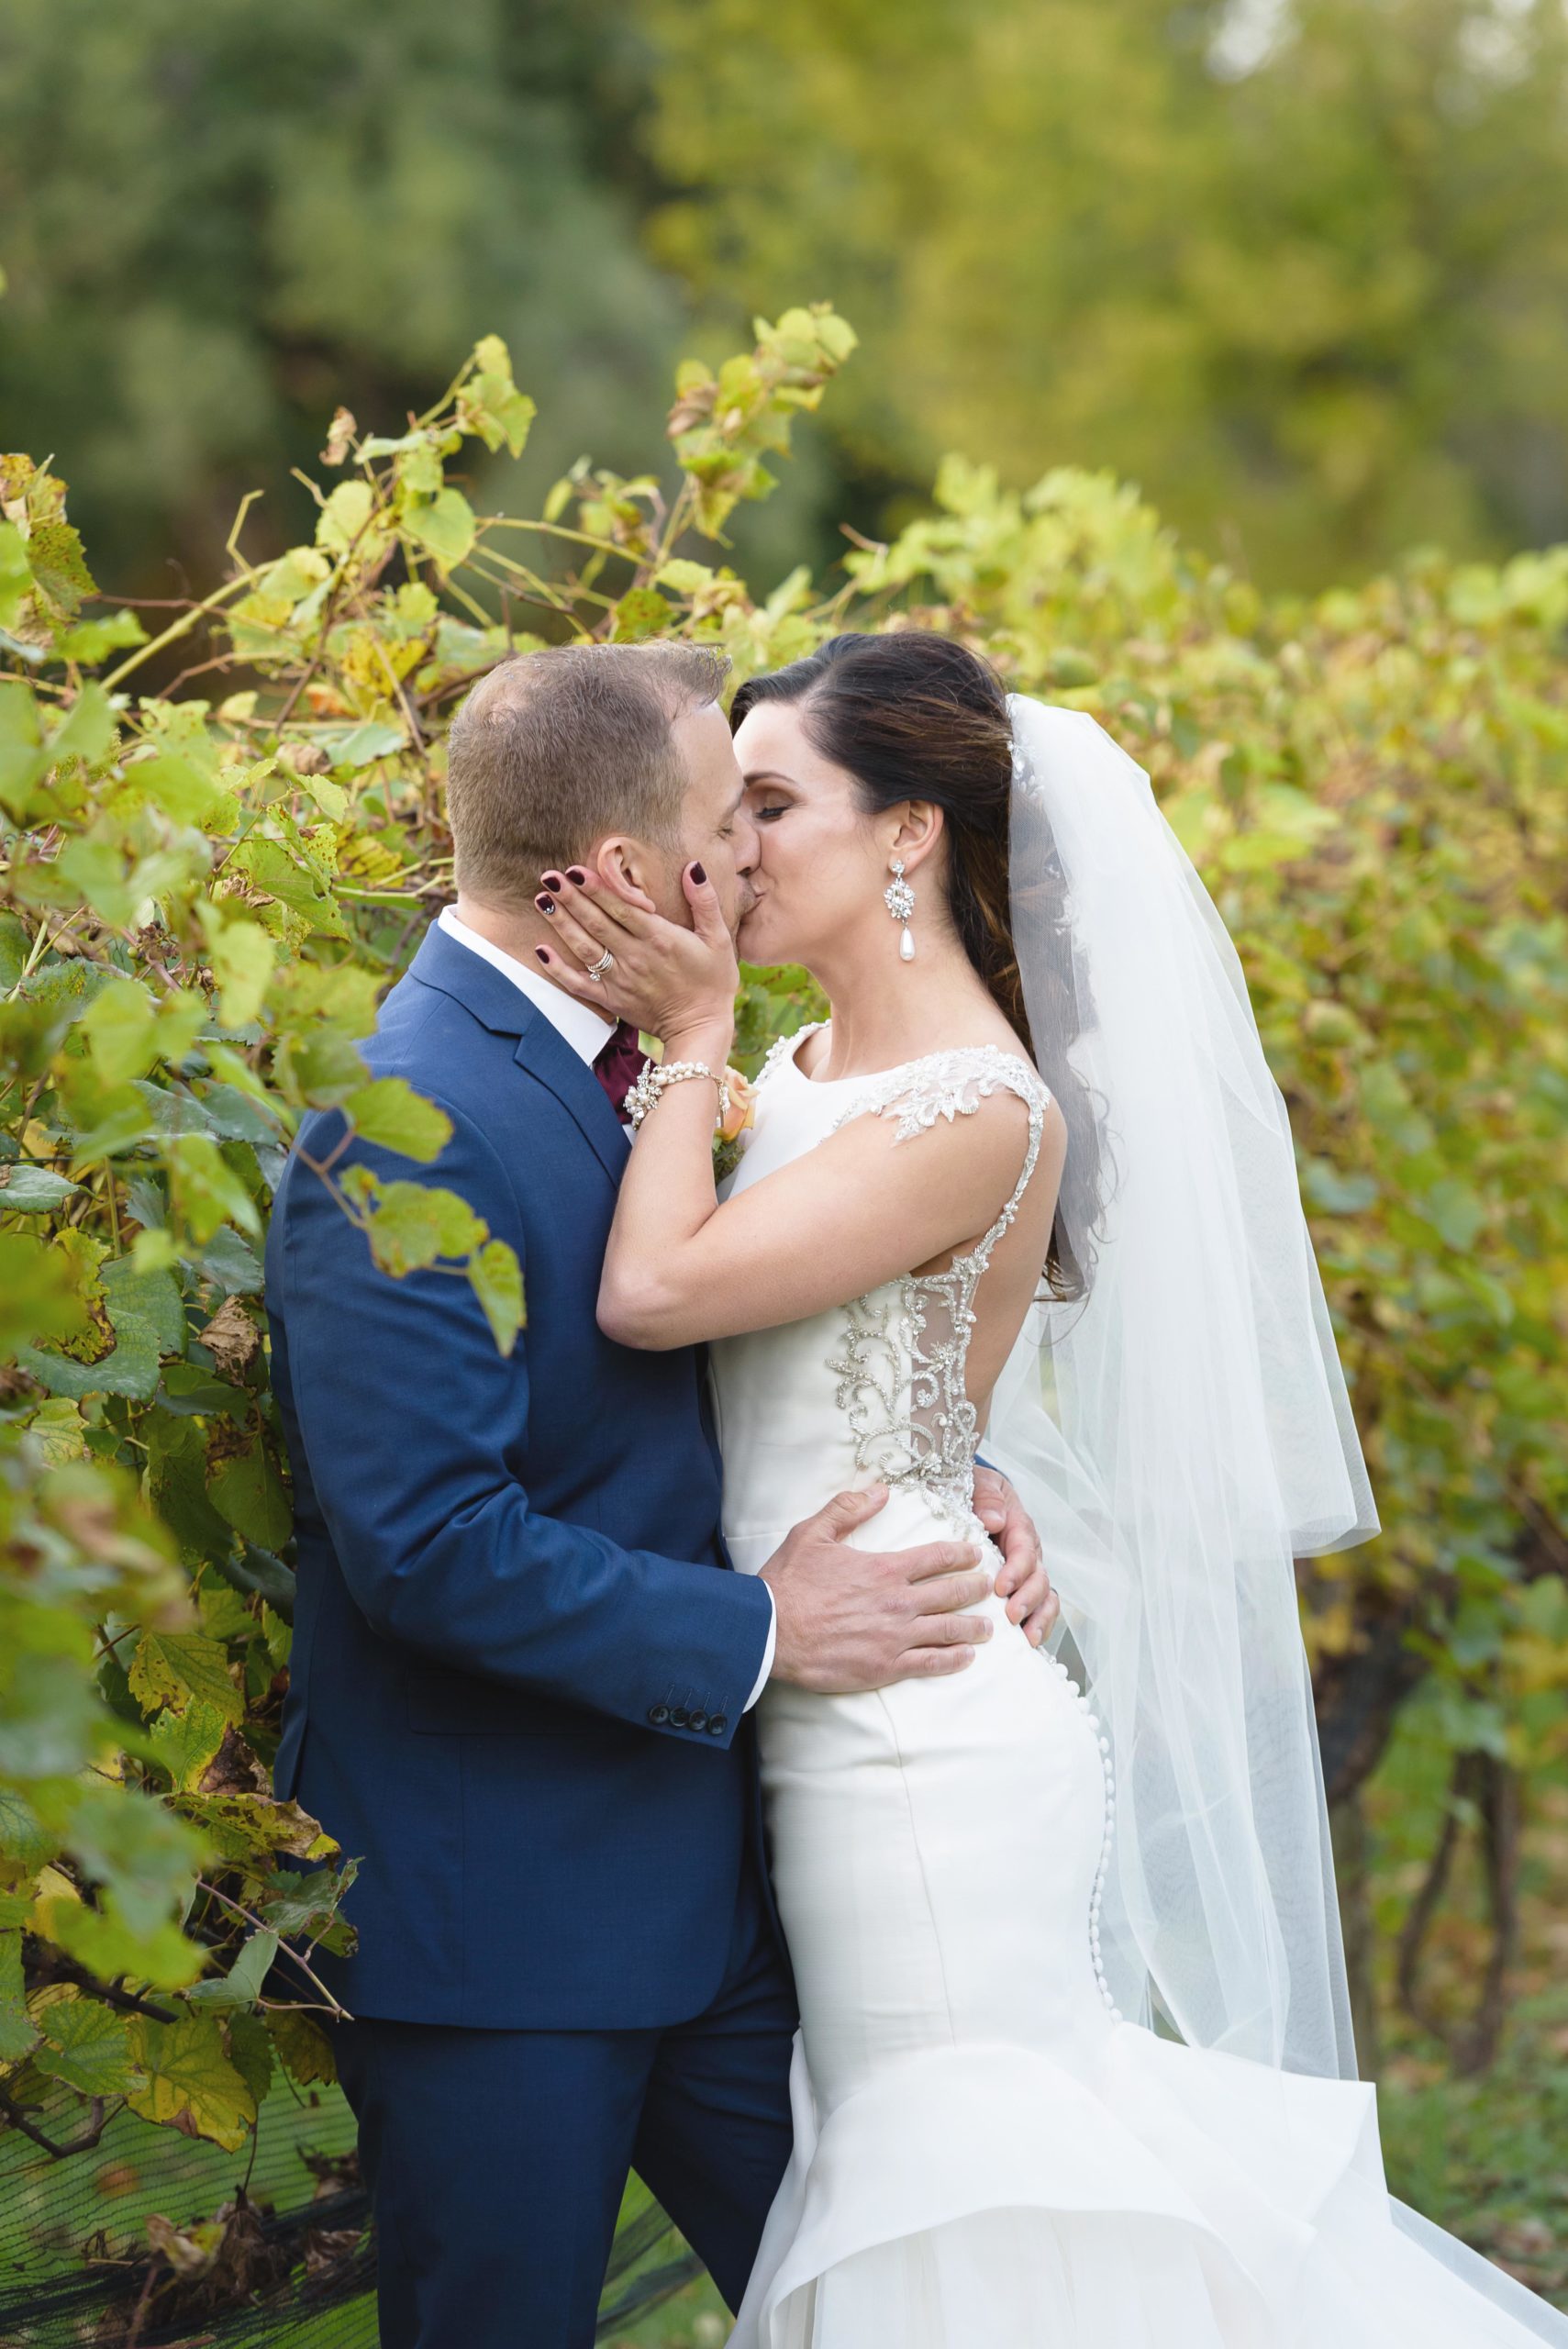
671, 981
1023, 1581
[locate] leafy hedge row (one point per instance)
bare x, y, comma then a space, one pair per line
206, 887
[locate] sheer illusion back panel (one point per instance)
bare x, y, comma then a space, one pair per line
904, 1370
922, 1353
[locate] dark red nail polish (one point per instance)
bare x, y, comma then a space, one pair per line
576, 876
542, 955
552, 880
698, 876
545, 905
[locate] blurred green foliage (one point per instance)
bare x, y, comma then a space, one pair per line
1296, 267
219, 223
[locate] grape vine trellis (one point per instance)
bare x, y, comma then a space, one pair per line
205, 888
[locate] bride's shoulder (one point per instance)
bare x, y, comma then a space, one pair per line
946, 1086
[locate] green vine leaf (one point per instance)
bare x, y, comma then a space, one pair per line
33, 1190
248, 1493
389, 1112
86, 2045
443, 525
413, 1224
145, 1321
304, 2048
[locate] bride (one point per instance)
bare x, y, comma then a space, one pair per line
1074, 2064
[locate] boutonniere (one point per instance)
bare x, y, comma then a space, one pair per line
739, 1115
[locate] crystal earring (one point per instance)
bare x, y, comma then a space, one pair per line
899, 898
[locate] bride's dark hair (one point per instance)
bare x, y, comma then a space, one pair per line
911, 714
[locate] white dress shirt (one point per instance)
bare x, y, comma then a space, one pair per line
587, 1032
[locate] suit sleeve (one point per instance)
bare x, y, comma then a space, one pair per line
409, 1418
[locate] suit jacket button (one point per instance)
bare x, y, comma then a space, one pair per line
716, 1726
679, 1717
658, 1715
699, 1721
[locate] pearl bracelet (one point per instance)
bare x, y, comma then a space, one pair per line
659, 1076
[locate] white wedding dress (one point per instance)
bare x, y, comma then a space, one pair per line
987, 2155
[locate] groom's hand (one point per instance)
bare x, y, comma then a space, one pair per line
851, 1620
1023, 1581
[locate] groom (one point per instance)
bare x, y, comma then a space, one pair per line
522, 1665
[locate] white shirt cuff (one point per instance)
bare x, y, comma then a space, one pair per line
767, 1651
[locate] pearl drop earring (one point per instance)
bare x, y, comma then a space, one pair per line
899, 898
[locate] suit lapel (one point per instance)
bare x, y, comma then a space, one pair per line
546, 1054
447, 964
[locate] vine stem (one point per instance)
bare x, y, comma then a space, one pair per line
37, 948
89, 2137
329, 611
559, 530
323, 1169
179, 628
382, 897
284, 1950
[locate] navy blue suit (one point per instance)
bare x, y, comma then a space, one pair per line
520, 1663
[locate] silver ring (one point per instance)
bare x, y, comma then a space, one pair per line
602, 968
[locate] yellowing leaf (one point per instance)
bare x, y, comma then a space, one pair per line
497, 1281
188, 2080
184, 1743
176, 1667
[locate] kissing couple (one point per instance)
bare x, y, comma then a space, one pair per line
952, 1950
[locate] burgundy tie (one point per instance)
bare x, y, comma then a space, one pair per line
618, 1063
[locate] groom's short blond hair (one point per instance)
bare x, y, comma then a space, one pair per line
552, 751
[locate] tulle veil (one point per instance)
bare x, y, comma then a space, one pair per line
1182, 1433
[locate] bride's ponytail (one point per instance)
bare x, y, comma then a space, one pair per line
914, 716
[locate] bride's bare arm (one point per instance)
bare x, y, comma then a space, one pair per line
847, 1216
856, 1211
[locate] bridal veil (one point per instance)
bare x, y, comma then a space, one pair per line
1182, 1431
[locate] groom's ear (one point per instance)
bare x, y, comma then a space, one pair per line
627, 865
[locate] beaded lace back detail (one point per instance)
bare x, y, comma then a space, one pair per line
901, 1365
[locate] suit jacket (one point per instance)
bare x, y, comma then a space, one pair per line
520, 1653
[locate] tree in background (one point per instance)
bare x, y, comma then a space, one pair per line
218, 223
1300, 272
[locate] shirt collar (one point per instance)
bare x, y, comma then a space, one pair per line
577, 1024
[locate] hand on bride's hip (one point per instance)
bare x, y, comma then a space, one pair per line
851, 1619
